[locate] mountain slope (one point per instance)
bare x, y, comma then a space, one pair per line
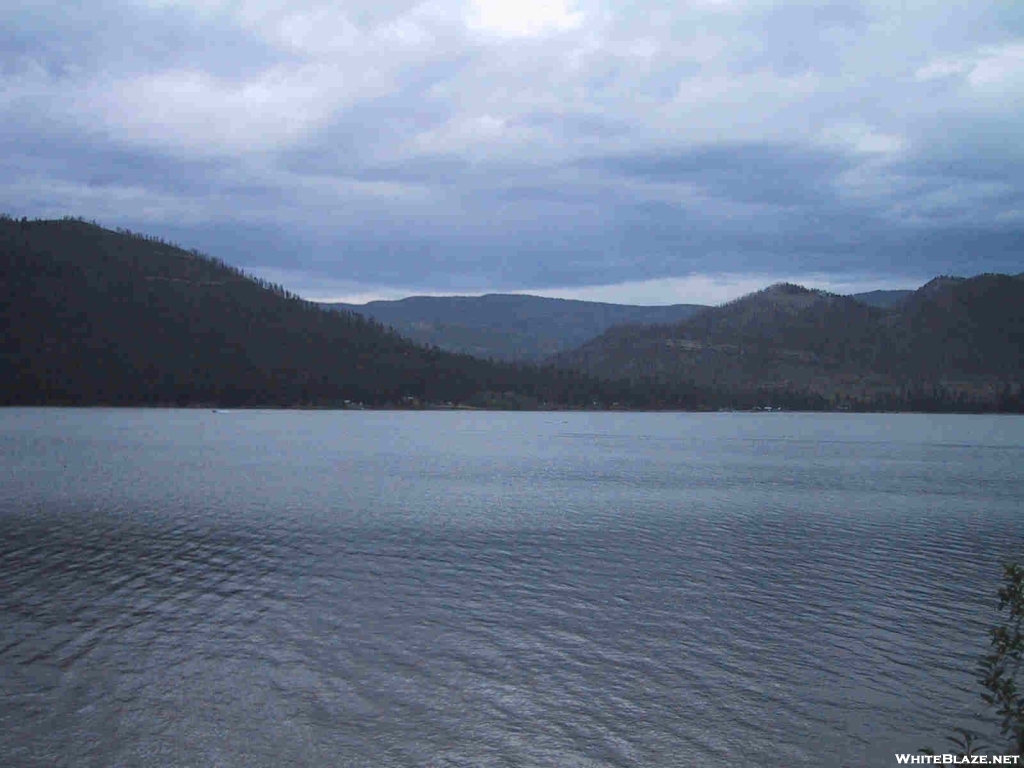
966, 335
974, 327
93, 316
523, 327
510, 326
784, 334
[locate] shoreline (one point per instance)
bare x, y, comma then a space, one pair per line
479, 409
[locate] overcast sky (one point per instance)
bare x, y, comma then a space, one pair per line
644, 152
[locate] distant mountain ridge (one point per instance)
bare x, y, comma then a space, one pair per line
510, 326
524, 327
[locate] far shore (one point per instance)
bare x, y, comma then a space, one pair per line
462, 407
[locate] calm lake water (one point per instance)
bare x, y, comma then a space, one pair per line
259, 588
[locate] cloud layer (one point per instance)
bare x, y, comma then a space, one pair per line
403, 147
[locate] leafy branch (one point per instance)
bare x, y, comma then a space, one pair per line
1000, 668
999, 671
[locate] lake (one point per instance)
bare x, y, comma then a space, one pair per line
271, 588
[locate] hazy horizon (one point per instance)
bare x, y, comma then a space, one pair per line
700, 290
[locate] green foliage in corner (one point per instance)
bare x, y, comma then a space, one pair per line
1000, 669
999, 672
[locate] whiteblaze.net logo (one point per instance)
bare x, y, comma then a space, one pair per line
907, 759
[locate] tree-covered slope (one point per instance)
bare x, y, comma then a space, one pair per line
95, 316
973, 327
960, 337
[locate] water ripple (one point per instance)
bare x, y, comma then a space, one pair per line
643, 599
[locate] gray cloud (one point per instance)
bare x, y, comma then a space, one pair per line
768, 174
441, 146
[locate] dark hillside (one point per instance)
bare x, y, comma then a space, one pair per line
956, 343
970, 326
94, 316
836, 329
783, 335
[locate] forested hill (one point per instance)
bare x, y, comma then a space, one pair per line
955, 343
94, 316
510, 326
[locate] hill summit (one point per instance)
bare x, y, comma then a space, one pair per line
95, 316
954, 340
